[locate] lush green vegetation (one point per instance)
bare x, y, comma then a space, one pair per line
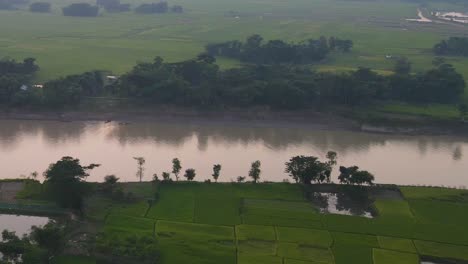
254, 50
456, 46
174, 222
116, 41
274, 223
200, 83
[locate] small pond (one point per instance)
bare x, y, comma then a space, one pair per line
21, 224
343, 203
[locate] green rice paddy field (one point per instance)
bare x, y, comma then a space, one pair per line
274, 223
66, 45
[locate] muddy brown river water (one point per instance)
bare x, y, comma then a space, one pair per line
27, 146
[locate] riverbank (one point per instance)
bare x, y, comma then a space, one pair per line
341, 120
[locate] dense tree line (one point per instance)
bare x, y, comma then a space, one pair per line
158, 8
14, 78
113, 6
27, 67
457, 46
39, 247
16, 88
256, 50
199, 82
11, 4
40, 7
81, 9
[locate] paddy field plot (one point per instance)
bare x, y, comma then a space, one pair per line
383, 256
115, 42
276, 225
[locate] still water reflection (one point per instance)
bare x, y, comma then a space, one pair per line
27, 146
21, 224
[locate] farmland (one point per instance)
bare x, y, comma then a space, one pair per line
274, 223
66, 45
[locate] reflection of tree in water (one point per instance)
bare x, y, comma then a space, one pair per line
356, 201
226, 134
352, 202
276, 138
320, 199
56, 133
11, 131
457, 153
170, 134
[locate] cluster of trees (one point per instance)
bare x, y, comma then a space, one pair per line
39, 247
457, 46
113, 6
199, 82
81, 10
40, 7
352, 175
65, 182
26, 67
15, 77
255, 50
16, 88
303, 169
309, 169
11, 4
158, 8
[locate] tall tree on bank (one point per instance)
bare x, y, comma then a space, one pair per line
65, 182
216, 171
190, 174
140, 169
176, 167
255, 171
308, 169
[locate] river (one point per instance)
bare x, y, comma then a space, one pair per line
27, 146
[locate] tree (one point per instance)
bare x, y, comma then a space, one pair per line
166, 176
140, 169
352, 175
40, 7
176, 167
50, 237
332, 157
308, 169
190, 174
463, 110
177, 9
346, 174
65, 182
81, 9
109, 184
155, 178
255, 171
153, 8
216, 172
240, 179
402, 66
363, 177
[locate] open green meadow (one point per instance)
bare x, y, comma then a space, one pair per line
115, 42
273, 223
